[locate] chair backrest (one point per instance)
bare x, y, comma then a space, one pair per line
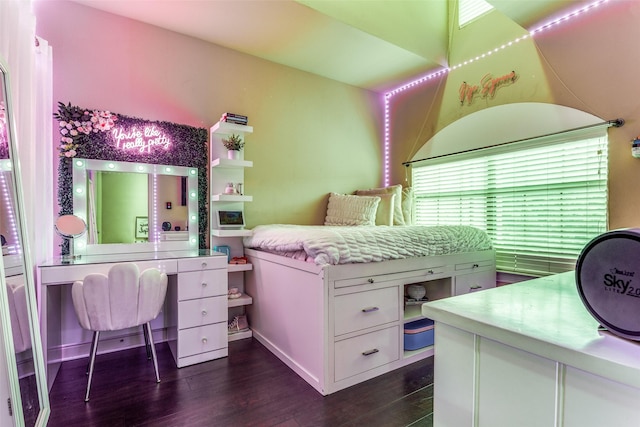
119, 300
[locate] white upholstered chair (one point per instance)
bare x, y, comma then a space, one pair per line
123, 299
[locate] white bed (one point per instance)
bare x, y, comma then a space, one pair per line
337, 317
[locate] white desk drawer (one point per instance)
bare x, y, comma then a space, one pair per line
202, 263
202, 284
202, 339
202, 311
364, 352
353, 312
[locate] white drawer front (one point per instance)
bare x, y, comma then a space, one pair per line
412, 276
202, 263
474, 265
203, 311
201, 284
361, 310
364, 352
473, 282
202, 339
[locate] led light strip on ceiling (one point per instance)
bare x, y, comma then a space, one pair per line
419, 81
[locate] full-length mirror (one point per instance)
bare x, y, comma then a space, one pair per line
18, 309
134, 207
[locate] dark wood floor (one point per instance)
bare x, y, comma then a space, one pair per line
251, 387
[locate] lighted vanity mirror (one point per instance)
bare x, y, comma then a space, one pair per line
20, 329
128, 206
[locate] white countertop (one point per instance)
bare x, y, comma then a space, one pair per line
546, 317
133, 256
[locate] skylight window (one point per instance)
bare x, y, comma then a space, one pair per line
468, 10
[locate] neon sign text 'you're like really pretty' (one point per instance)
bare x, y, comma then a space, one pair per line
142, 140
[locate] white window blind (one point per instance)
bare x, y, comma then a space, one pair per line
468, 10
541, 201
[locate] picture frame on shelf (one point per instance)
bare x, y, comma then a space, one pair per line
142, 227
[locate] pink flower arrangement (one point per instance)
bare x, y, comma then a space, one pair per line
75, 123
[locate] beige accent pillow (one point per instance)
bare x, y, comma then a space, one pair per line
384, 214
408, 206
344, 209
398, 218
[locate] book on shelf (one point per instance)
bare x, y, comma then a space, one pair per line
235, 122
234, 118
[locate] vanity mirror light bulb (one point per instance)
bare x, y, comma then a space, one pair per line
79, 190
167, 169
140, 168
79, 163
111, 166
193, 194
193, 171
193, 217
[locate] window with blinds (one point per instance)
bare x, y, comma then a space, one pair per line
468, 10
540, 201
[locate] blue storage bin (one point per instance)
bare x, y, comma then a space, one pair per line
418, 334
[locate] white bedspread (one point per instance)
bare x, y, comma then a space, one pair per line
343, 245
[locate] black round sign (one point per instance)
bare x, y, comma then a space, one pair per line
608, 280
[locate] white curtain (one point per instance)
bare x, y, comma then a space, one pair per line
29, 61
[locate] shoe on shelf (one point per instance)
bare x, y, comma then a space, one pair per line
238, 324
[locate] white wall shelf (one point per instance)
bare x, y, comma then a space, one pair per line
240, 335
227, 128
230, 233
231, 198
232, 268
231, 163
224, 171
241, 301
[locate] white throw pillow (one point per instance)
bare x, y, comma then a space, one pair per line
384, 214
344, 209
408, 206
398, 218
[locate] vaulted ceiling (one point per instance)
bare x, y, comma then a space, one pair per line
373, 44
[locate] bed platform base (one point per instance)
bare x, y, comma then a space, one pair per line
336, 326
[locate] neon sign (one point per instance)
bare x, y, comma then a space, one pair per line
143, 140
487, 87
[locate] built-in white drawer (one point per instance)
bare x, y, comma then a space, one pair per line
202, 284
473, 282
364, 352
404, 277
202, 339
474, 265
202, 311
357, 311
202, 263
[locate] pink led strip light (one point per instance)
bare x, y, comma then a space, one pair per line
431, 76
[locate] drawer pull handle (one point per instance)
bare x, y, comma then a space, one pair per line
370, 309
430, 271
370, 352
204, 265
475, 287
204, 284
475, 266
204, 312
370, 280
204, 340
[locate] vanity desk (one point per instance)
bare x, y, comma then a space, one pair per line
193, 320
